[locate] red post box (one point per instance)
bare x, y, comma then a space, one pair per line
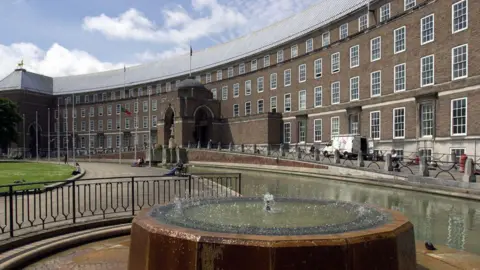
463, 158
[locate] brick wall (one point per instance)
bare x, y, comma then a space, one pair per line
227, 157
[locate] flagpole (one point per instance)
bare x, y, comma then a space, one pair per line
24, 152
136, 131
66, 126
89, 138
120, 152
48, 134
150, 129
191, 52
73, 129
58, 131
36, 133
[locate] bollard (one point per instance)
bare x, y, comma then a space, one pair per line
298, 155
219, 148
388, 163
316, 154
230, 147
423, 168
255, 149
242, 148
336, 156
360, 162
164, 154
209, 145
282, 150
469, 174
199, 145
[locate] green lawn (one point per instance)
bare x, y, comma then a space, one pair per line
32, 172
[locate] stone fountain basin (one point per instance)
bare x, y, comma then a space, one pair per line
156, 245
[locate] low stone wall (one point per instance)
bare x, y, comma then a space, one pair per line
228, 157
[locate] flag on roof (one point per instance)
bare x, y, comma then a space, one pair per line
124, 68
191, 51
127, 112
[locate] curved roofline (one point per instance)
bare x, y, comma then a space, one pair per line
314, 17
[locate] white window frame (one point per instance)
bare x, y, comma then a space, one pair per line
466, 117
315, 137
453, 62
372, 59
422, 119
274, 98
379, 125
385, 12
317, 66
230, 72
309, 45
395, 90
325, 39
302, 100
354, 59
332, 93
294, 51
219, 75
317, 98
253, 65
432, 39
258, 106
361, 21
225, 92
343, 28
407, 5
432, 56
396, 40
214, 93
248, 105
266, 61
285, 132
260, 82
272, 85
372, 83
302, 75
287, 74
248, 88
404, 122
335, 63
453, 18
241, 68
236, 110
352, 83
236, 90
280, 57
332, 134
289, 102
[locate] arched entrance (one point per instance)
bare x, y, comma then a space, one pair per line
169, 125
32, 131
203, 123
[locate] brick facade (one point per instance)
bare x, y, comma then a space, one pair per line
269, 126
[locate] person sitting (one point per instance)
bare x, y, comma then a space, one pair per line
395, 161
312, 149
77, 169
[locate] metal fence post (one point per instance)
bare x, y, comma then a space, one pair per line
133, 196
10, 194
240, 183
190, 185
74, 203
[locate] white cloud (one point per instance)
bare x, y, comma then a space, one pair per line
56, 61
152, 56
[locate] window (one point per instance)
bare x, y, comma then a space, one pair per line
100, 111
343, 31
168, 85
459, 117
309, 45
280, 56
287, 77
317, 96
214, 93
253, 65
117, 123
460, 62
154, 105
335, 92
140, 91
459, 16
287, 103
117, 141
145, 122
399, 77
100, 125
375, 125
208, 77
241, 68
82, 112
302, 131
399, 123
236, 90
273, 104
83, 126
294, 51
109, 110
354, 84
248, 108
376, 83
230, 72
158, 89
224, 92
317, 66
362, 22
127, 123
219, 75
248, 88
266, 61
91, 113
287, 133
260, 84
112, 96
458, 153
325, 39
273, 81
118, 108
426, 119
427, 29
427, 70
335, 126
302, 73
135, 107
145, 106
335, 62
317, 130
77, 99
109, 124
375, 49
409, 4
353, 120
130, 93
260, 106
354, 56
302, 100
85, 99
399, 39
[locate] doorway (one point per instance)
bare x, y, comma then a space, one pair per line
169, 125
203, 124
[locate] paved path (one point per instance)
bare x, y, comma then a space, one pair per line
97, 198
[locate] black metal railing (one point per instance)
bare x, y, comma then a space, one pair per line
71, 202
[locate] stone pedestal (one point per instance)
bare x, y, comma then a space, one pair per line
336, 156
388, 163
423, 167
360, 162
164, 154
469, 174
316, 154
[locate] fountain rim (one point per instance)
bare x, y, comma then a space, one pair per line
147, 222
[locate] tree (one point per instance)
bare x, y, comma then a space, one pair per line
9, 118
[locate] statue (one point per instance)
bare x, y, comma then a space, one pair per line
171, 143
20, 65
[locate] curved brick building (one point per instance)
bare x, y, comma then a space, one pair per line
402, 72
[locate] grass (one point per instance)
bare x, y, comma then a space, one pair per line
32, 172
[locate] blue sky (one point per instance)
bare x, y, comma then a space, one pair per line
66, 37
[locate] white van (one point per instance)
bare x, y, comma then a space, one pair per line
349, 146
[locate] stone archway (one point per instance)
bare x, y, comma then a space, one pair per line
168, 127
203, 125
